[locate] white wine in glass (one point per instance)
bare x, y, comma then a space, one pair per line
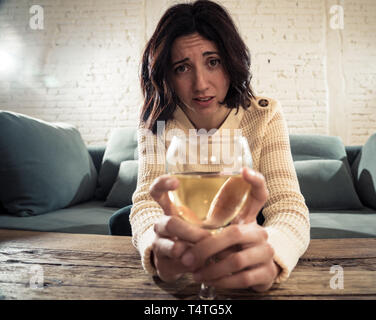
212, 191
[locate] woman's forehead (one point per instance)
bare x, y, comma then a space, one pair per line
185, 45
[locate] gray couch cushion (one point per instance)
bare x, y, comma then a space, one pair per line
310, 147
43, 166
364, 171
121, 146
88, 218
126, 182
323, 172
326, 184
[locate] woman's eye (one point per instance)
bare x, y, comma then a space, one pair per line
180, 69
214, 62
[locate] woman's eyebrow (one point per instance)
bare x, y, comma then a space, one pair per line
206, 53
180, 61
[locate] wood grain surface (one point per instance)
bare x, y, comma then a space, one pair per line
78, 266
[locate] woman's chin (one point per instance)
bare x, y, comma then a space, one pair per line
203, 110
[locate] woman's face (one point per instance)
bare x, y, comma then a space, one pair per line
199, 78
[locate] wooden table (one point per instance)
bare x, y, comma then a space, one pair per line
41, 265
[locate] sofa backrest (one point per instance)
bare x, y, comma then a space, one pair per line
97, 153
304, 147
352, 152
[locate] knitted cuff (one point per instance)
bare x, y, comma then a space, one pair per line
286, 253
145, 249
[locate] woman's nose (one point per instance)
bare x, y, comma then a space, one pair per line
200, 80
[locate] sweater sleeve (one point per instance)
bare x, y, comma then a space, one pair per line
146, 211
286, 215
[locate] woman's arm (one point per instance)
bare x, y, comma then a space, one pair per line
158, 234
145, 211
286, 215
249, 255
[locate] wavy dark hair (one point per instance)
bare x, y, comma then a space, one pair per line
212, 22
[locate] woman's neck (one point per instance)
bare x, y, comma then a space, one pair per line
209, 123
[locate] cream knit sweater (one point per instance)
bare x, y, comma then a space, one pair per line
286, 215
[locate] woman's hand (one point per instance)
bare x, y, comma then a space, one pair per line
243, 257
173, 235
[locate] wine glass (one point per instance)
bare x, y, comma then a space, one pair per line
211, 190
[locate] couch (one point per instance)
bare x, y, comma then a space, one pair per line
337, 182
50, 180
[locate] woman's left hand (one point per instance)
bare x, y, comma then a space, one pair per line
242, 256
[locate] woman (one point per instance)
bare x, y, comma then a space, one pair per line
195, 75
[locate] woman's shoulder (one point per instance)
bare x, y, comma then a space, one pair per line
262, 109
263, 103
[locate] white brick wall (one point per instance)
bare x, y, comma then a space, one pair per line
359, 67
82, 68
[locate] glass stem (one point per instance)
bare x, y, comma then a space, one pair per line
207, 292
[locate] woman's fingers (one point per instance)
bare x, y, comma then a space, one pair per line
168, 269
235, 262
225, 253
159, 192
175, 227
168, 248
256, 179
229, 196
259, 278
240, 234
257, 197
174, 238
166, 254
173, 235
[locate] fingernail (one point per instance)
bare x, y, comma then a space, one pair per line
251, 172
170, 183
187, 259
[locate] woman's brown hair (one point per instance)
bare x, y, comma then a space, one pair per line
212, 22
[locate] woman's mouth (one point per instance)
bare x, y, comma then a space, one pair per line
203, 101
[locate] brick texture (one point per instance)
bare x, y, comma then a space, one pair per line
83, 67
